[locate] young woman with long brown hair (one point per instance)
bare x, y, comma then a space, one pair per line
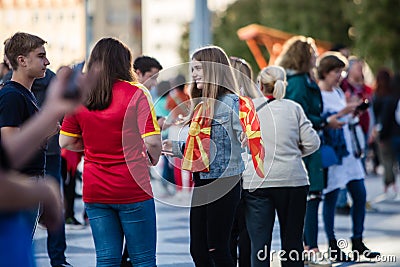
116, 189
212, 153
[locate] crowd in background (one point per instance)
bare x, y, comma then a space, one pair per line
308, 130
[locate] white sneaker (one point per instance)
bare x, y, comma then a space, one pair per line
318, 260
320, 263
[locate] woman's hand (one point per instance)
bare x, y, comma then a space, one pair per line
161, 122
334, 122
56, 130
243, 139
167, 147
350, 108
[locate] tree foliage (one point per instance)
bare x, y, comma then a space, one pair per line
319, 19
227, 23
375, 25
377, 32
184, 47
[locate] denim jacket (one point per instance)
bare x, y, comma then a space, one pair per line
225, 147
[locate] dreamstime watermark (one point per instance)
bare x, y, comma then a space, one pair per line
294, 255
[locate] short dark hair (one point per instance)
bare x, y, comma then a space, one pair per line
21, 43
330, 61
146, 63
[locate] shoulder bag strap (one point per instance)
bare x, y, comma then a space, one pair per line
264, 104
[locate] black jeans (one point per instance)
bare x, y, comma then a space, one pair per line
240, 238
260, 207
211, 220
69, 189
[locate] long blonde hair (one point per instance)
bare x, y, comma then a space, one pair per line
218, 77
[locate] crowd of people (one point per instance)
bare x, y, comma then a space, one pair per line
296, 136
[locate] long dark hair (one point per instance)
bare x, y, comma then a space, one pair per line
114, 59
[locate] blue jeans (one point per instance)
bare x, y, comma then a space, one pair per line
111, 222
56, 243
16, 242
342, 198
358, 194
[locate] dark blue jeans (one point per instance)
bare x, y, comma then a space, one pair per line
311, 221
56, 244
111, 222
260, 207
358, 194
342, 198
396, 147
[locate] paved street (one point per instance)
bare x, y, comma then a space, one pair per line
382, 232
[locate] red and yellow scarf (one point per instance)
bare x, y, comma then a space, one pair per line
196, 155
251, 126
197, 149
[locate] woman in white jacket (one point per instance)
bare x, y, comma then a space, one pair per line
349, 172
288, 136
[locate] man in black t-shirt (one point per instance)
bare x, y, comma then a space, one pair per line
27, 56
17, 104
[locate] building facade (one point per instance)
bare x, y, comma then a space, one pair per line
118, 18
72, 27
59, 22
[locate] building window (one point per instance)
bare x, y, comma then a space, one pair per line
35, 18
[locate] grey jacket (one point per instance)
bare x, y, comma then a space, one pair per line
288, 136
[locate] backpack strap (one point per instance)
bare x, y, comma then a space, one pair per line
264, 104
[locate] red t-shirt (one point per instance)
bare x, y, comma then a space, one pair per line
115, 162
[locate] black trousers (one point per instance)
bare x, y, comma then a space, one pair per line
214, 203
69, 189
260, 207
240, 238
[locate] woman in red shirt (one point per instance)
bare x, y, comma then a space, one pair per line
118, 131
